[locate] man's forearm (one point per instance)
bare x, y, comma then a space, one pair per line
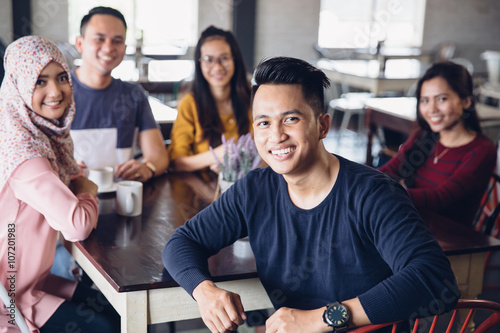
358, 315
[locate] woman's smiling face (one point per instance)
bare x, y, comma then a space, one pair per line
53, 94
217, 63
440, 106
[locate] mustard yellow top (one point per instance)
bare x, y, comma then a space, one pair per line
187, 134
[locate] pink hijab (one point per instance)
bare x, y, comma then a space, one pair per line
23, 133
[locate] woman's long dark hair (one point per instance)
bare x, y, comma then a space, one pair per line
240, 90
460, 81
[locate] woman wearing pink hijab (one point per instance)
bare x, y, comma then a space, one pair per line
42, 191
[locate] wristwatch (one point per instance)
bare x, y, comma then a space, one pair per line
336, 316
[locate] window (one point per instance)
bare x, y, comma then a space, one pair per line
165, 25
363, 23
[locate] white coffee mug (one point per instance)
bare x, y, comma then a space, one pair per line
129, 198
102, 177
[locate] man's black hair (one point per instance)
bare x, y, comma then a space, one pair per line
101, 11
286, 70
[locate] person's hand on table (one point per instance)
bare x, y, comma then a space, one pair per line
83, 185
133, 170
81, 164
296, 321
221, 310
215, 168
81, 173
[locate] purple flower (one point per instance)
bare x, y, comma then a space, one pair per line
239, 157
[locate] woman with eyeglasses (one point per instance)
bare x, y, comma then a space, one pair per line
219, 103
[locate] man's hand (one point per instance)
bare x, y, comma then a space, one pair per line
133, 170
297, 321
221, 310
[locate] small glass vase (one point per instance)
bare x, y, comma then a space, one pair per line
224, 184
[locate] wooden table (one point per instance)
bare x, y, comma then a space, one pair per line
164, 116
465, 248
399, 114
387, 53
398, 75
123, 255
490, 90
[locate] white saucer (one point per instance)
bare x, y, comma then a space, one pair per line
110, 189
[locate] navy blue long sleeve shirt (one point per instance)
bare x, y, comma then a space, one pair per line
364, 240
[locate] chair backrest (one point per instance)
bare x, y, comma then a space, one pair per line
464, 62
487, 218
445, 51
469, 306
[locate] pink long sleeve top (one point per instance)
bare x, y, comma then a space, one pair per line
34, 205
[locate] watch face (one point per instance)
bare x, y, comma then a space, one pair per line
337, 315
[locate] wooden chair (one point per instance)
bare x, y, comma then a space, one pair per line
445, 51
466, 306
350, 104
488, 220
464, 62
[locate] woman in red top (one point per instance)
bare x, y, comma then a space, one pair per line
445, 166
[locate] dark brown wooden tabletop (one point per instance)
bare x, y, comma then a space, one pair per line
456, 238
127, 250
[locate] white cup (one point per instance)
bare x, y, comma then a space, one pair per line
102, 177
129, 198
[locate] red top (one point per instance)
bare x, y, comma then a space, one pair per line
454, 186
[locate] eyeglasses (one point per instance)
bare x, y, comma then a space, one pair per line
210, 61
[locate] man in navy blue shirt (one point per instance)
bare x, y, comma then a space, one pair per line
336, 244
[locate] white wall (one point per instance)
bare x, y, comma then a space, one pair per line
286, 28
49, 18
283, 27
215, 12
6, 21
473, 25
290, 27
